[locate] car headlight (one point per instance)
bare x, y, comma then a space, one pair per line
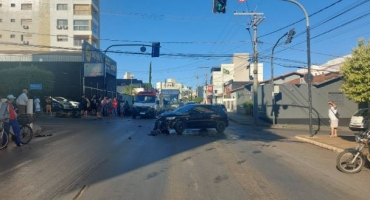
170, 118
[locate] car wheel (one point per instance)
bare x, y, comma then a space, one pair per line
220, 126
180, 127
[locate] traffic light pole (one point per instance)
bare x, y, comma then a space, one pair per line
142, 49
309, 76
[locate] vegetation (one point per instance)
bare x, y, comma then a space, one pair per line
356, 72
248, 107
130, 90
198, 99
13, 80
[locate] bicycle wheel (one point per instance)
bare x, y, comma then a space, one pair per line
26, 134
3, 139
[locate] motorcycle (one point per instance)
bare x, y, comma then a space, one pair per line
351, 161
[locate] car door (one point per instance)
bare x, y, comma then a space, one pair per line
195, 117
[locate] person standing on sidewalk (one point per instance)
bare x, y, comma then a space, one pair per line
114, 107
22, 102
334, 119
9, 117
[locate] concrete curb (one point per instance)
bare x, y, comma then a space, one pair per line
325, 146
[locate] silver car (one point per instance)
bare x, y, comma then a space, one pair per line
359, 120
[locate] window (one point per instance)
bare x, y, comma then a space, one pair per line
1, 36
62, 6
1, 20
62, 38
81, 9
1, 5
12, 5
62, 23
26, 6
12, 36
12, 20
81, 25
26, 22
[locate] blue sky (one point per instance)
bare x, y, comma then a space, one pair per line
189, 27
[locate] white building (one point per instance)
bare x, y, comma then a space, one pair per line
240, 70
40, 25
328, 67
172, 90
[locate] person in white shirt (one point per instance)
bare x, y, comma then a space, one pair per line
37, 105
22, 102
333, 110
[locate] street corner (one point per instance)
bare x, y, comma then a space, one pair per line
320, 141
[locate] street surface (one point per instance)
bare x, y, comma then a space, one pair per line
115, 159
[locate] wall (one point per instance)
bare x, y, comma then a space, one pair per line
292, 105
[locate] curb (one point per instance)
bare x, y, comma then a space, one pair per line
250, 124
325, 146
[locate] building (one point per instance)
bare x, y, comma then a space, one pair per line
174, 91
45, 25
240, 70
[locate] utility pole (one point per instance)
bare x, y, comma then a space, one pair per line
257, 19
205, 83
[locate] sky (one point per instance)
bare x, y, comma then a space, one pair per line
194, 39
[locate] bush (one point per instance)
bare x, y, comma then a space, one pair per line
247, 104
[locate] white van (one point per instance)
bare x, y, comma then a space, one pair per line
359, 120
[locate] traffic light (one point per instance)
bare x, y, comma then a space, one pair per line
155, 49
290, 36
219, 6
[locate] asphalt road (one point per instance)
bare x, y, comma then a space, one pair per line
116, 159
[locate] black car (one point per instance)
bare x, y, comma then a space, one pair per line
193, 116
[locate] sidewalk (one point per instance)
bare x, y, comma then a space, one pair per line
337, 144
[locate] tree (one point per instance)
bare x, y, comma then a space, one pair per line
130, 90
198, 99
13, 80
356, 72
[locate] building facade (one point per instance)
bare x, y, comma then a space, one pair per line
44, 25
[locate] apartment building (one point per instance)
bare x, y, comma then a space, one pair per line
48, 25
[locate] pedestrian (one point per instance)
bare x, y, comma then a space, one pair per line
114, 107
88, 106
93, 105
36, 103
109, 107
9, 117
48, 105
104, 104
122, 108
22, 102
83, 105
99, 108
334, 119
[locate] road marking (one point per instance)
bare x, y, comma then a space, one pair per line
15, 167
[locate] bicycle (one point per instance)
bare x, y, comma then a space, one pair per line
26, 134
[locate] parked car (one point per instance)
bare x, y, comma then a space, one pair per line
359, 120
63, 100
193, 116
58, 105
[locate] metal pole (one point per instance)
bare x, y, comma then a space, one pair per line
272, 79
309, 84
255, 72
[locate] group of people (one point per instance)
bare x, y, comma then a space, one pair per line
103, 107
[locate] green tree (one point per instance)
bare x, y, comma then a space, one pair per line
130, 90
198, 99
13, 80
356, 72
147, 86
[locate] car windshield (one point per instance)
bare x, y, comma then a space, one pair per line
361, 112
145, 99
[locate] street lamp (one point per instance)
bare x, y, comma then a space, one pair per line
289, 39
308, 75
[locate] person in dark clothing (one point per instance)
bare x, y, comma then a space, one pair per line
83, 105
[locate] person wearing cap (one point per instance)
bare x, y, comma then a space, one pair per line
22, 102
9, 117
